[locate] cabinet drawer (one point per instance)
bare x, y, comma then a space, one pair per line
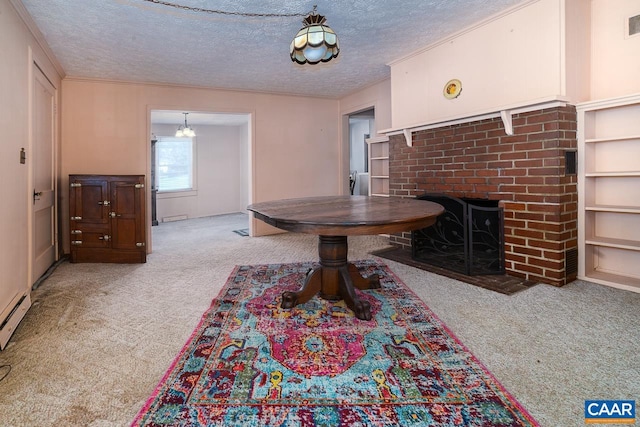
90, 239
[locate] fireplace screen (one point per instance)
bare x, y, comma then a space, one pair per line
467, 238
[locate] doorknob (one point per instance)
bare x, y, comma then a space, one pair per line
36, 195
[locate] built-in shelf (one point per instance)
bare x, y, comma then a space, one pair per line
612, 174
631, 245
609, 192
615, 280
378, 166
613, 139
613, 208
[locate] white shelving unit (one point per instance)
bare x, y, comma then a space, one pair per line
609, 192
378, 166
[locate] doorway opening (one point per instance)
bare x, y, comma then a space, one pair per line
361, 127
212, 167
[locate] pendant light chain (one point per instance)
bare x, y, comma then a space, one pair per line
224, 12
316, 42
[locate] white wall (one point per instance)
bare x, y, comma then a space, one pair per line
513, 59
358, 130
220, 151
615, 58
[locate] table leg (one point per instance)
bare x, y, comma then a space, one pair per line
312, 285
335, 279
363, 283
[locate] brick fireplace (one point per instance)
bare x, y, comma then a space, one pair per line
531, 173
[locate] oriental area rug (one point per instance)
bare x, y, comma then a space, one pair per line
251, 363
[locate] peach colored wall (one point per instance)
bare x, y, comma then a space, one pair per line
294, 146
377, 96
245, 165
19, 50
615, 57
514, 58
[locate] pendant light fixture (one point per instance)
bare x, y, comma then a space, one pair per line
315, 42
185, 131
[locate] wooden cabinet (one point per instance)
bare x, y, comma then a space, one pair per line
609, 192
107, 218
378, 166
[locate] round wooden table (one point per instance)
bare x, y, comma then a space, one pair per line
333, 218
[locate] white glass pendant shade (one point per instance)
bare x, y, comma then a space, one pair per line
314, 54
315, 42
185, 131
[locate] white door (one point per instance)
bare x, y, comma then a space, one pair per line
43, 218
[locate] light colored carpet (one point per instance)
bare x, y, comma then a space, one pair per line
99, 337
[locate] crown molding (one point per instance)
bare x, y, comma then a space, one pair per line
26, 18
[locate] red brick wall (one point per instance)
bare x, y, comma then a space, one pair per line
524, 171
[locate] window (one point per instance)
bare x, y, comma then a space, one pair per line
174, 164
633, 25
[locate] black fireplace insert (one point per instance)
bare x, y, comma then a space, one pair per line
467, 238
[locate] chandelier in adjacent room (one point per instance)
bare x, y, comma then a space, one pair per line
186, 130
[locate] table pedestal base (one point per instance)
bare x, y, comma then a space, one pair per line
335, 279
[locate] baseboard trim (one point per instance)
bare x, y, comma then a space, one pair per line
9, 325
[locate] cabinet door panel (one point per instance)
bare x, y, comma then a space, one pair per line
124, 232
87, 201
127, 226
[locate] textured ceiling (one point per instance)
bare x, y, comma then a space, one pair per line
139, 41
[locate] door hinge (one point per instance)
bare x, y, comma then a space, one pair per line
76, 231
76, 242
139, 186
75, 184
140, 245
76, 218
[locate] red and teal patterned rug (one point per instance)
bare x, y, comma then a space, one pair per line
251, 363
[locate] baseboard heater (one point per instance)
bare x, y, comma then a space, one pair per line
10, 323
174, 218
